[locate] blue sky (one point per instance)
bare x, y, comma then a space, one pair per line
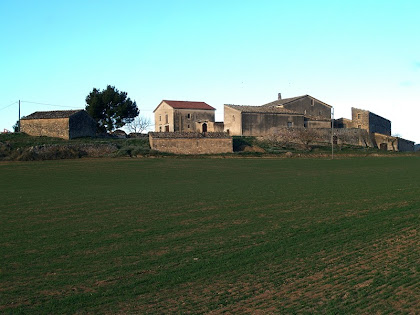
364, 54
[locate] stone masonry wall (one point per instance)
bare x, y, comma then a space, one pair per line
379, 124
81, 125
190, 144
260, 124
185, 119
46, 127
391, 143
310, 107
405, 145
357, 137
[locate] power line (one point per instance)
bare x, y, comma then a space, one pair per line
47, 104
8, 106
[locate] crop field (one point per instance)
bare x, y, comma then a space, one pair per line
210, 235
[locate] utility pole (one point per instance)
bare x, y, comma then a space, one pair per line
332, 133
19, 118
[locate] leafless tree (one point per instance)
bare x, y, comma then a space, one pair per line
139, 124
306, 136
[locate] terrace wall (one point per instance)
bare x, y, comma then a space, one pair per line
355, 136
191, 143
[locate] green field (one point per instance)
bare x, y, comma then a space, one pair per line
178, 235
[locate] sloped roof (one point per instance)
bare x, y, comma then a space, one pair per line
187, 105
262, 109
285, 101
52, 114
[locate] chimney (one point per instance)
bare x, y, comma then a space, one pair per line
279, 96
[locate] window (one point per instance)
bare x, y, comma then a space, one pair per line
166, 119
189, 116
160, 117
188, 126
358, 116
160, 128
289, 124
312, 103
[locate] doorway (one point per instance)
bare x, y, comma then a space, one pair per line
204, 127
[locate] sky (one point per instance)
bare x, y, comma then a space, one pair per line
363, 54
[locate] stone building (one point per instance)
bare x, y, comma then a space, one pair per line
66, 124
185, 116
364, 119
378, 129
301, 111
243, 120
390, 143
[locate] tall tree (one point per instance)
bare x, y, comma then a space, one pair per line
111, 108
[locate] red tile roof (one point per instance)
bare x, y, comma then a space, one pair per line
189, 105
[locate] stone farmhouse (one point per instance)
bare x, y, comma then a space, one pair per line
297, 112
66, 124
185, 116
282, 117
285, 116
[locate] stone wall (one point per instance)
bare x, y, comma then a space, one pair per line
391, 143
405, 145
318, 124
58, 127
356, 137
164, 118
343, 123
371, 122
191, 143
185, 119
360, 118
81, 125
310, 107
259, 124
384, 142
232, 121
379, 124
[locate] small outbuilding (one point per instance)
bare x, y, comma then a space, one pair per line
66, 124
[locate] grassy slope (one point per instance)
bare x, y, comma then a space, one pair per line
179, 235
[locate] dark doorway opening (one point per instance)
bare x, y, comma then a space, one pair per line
166, 128
204, 127
383, 146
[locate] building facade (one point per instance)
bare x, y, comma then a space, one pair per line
297, 112
364, 119
259, 120
184, 116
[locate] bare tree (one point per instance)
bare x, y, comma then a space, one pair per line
139, 124
306, 137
